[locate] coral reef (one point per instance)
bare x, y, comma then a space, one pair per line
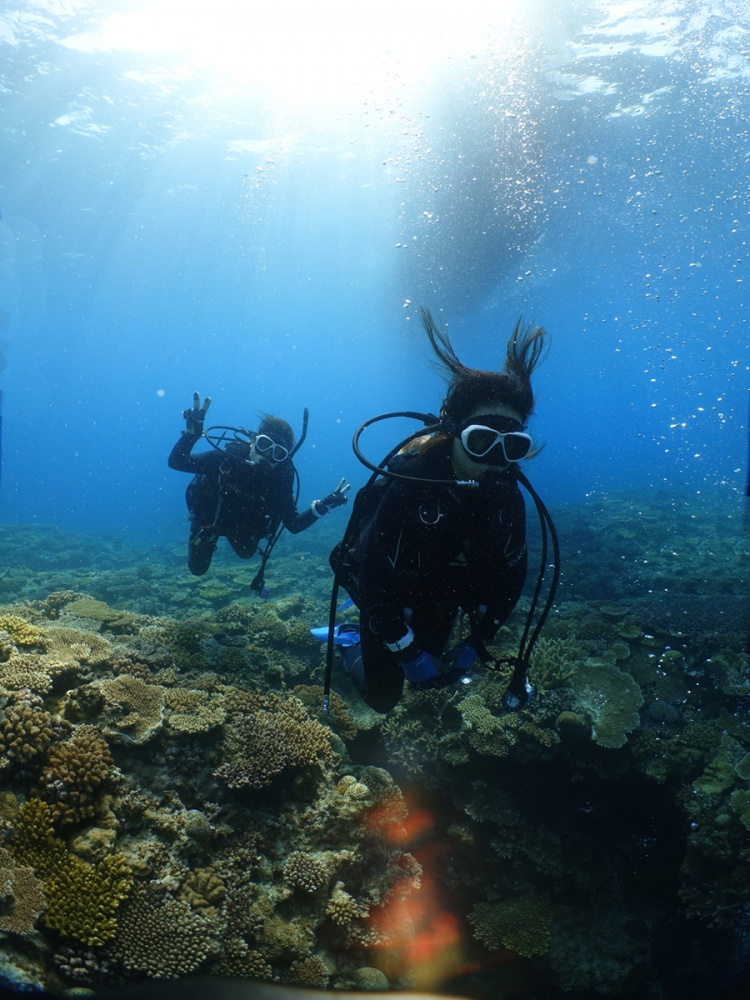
175, 803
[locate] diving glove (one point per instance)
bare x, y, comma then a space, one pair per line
423, 670
335, 499
459, 660
194, 417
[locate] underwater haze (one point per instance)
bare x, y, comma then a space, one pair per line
253, 201
255, 206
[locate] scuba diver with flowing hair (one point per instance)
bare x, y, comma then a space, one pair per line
444, 530
243, 488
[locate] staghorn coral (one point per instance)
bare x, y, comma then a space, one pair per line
75, 772
162, 941
553, 662
82, 899
26, 729
277, 735
610, 698
22, 897
521, 923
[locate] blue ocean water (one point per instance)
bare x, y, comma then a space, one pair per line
254, 204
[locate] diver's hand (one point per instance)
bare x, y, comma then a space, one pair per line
194, 418
333, 500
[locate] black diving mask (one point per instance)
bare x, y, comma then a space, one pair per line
495, 440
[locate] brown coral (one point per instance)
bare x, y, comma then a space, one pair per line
310, 972
521, 923
74, 775
25, 730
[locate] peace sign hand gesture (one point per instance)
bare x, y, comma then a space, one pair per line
194, 418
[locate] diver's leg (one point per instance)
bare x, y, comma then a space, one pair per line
201, 547
374, 670
244, 543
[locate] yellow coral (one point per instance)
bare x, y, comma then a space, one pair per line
21, 632
82, 899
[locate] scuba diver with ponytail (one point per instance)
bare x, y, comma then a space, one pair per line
244, 488
441, 527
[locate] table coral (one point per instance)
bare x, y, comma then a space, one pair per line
98, 611
611, 698
134, 710
193, 711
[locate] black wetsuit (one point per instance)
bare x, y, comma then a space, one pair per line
432, 549
230, 496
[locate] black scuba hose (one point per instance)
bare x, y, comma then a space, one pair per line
517, 686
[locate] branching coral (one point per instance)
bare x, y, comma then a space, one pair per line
277, 735
26, 729
305, 871
162, 941
553, 662
74, 774
21, 632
